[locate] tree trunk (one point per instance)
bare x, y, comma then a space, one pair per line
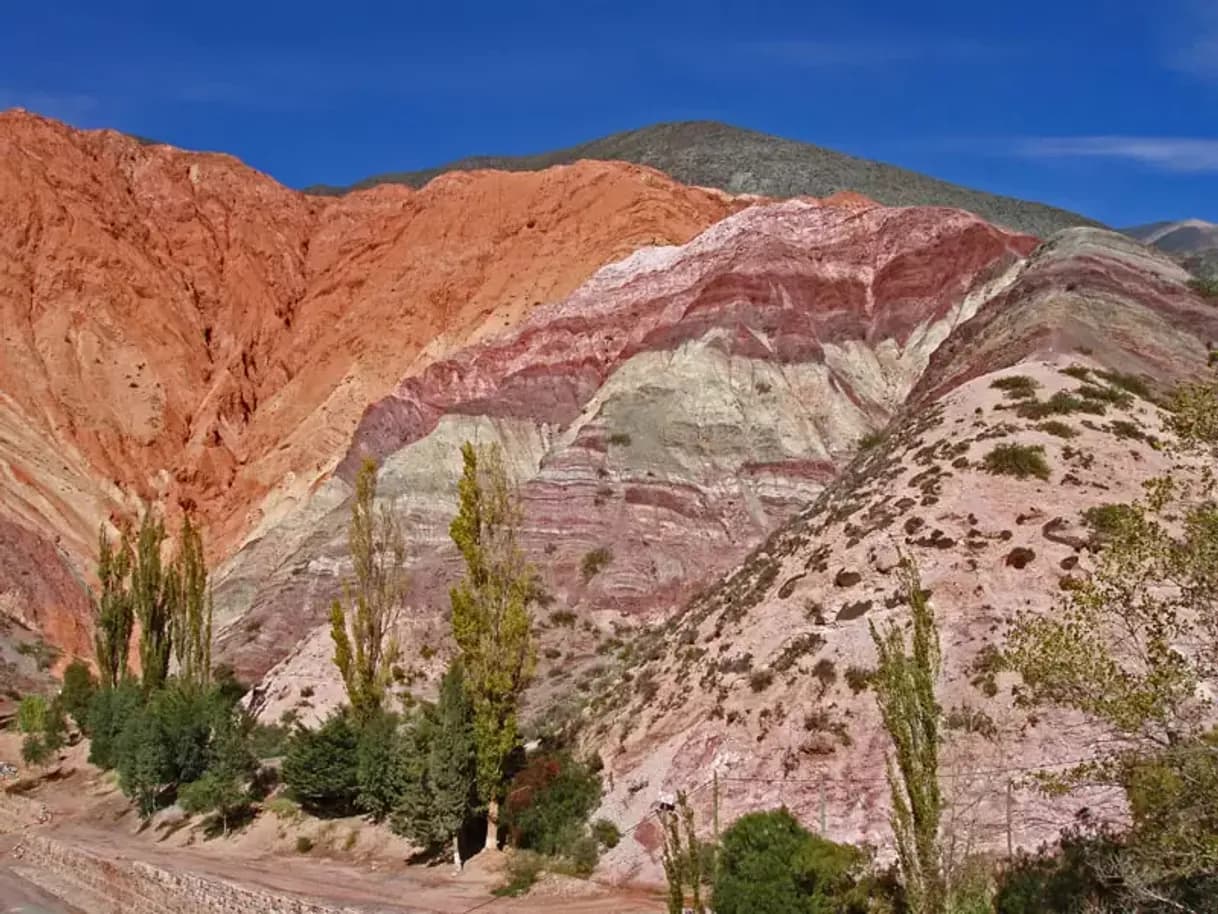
492, 825
457, 852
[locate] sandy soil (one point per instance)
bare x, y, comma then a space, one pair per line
369, 872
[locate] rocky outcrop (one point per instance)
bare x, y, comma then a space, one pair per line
761, 681
661, 421
180, 328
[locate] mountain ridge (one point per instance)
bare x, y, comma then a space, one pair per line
740, 160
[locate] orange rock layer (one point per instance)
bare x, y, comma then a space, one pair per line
179, 327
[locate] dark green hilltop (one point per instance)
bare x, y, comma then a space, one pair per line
711, 154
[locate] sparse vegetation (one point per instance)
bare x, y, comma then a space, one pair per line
1062, 403
1057, 429
594, 562
859, 678
1206, 288
1018, 460
1016, 387
620, 439
871, 440
760, 680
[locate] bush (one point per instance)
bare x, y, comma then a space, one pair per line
269, 740
859, 678
1061, 403
768, 862
760, 680
522, 870
109, 711
32, 714
321, 768
583, 854
1058, 429
595, 561
1206, 288
606, 833
870, 440
304, 844
1016, 387
1019, 460
1108, 519
77, 692
621, 439
380, 773
549, 801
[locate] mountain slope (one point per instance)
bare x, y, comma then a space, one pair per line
760, 679
1186, 236
710, 154
665, 417
179, 328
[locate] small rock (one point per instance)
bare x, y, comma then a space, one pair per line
1019, 557
885, 558
846, 578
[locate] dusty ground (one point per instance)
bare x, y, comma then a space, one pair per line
82, 807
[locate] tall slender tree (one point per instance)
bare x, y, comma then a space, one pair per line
364, 647
491, 618
190, 622
904, 685
113, 609
152, 595
452, 761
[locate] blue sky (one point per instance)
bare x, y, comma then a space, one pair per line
1108, 108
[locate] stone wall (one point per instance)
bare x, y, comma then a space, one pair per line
107, 886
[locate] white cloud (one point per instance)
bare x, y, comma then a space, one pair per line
1182, 154
1194, 49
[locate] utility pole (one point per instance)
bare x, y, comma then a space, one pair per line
823, 823
1010, 817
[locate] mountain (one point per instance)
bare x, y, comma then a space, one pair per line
661, 421
180, 329
1187, 236
710, 154
728, 416
760, 680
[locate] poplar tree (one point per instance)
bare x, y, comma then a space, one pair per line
490, 615
364, 649
904, 684
152, 594
112, 609
191, 609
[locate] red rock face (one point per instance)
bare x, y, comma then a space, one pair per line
179, 328
672, 411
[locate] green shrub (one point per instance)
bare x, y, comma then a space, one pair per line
1019, 460
870, 440
380, 766
304, 844
269, 740
1078, 372
321, 768
1058, 429
859, 678
595, 561
1107, 520
1134, 384
522, 871
1061, 403
582, 855
1016, 387
109, 710
549, 801
760, 680
1206, 288
283, 808
1103, 394
77, 692
768, 862
1058, 880
606, 833
32, 714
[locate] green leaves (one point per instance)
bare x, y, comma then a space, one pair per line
490, 610
364, 647
904, 684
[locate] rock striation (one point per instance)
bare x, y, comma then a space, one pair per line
662, 420
180, 328
761, 680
